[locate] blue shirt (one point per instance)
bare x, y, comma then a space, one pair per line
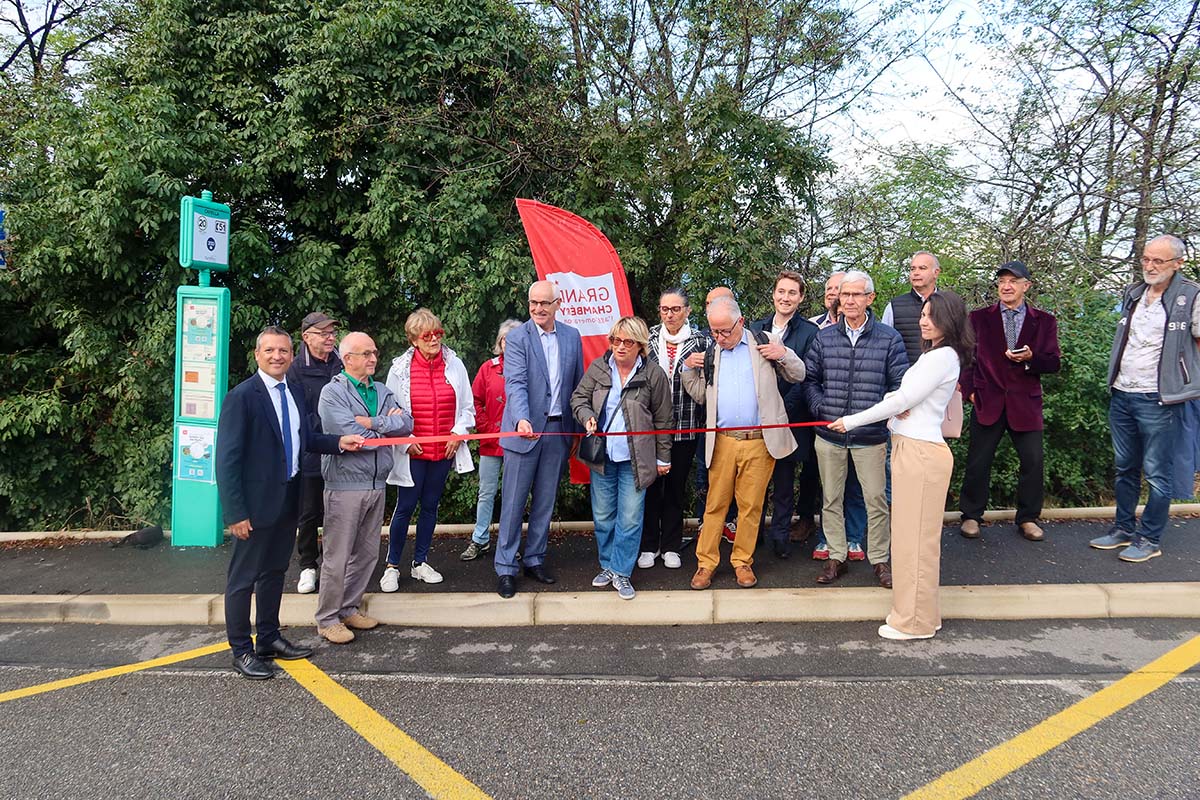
293, 416
549, 340
737, 396
617, 447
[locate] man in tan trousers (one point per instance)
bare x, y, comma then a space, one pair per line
736, 383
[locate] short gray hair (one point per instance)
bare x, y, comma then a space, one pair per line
936, 264
727, 302
856, 275
506, 328
1179, 250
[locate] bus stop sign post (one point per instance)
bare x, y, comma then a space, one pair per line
201, 373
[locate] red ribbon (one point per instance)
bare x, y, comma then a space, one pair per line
467, 437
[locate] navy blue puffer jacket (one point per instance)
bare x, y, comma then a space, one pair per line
844, 379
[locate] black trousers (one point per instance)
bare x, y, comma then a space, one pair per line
312, 516
787, 493
973, 498
257, 566
662, 522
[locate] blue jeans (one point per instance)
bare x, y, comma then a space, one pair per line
489, 482
617, 507
429, 481
1143, 430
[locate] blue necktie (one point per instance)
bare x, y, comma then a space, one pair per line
287, 431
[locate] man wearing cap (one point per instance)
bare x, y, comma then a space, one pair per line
1015, 344
314, 366
1153, 372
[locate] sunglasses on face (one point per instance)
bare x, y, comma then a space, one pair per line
616, 342
429, 336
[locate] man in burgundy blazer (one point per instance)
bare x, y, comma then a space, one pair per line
1015, 344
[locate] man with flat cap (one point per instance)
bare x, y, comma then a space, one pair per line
314, 366
1015, 344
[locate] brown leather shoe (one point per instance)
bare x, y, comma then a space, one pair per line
802, 528
745, 576
883, 572
702, 579
832, 570
969, 528
1032, 532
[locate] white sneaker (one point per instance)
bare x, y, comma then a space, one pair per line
424, 572
308, 581
646, 560
888, 632
390, 581
671, 560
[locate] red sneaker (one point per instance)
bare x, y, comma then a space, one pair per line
729, 532
855, 552
821, 552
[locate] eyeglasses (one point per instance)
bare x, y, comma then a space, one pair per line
329, 334
1157, 262
1010, 281
721, 333
671, 309
852, 295
542, 303
366, 354
617, 341
429, 336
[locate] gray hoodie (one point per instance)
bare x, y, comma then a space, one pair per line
368, 468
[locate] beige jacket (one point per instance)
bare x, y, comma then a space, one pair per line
779, 441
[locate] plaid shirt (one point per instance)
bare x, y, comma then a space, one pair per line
686, 413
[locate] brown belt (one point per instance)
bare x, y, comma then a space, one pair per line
742, 435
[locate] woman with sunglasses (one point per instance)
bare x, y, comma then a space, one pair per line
624, 390
431, 381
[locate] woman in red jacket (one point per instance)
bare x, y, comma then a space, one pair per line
488, 388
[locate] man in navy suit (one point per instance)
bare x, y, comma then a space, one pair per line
1015, 345
263, 430
543, 363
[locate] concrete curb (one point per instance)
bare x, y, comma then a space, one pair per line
460, 530
721, 606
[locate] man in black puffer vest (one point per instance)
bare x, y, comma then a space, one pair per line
904, 312
797, 334
850, 367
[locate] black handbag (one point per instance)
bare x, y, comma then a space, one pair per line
594, 449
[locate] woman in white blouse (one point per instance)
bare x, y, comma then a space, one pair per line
921, 464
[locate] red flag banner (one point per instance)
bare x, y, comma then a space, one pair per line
582, 263
578, 258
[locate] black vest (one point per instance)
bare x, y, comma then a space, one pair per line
906, 318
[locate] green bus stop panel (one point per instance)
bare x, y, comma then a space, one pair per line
203, 233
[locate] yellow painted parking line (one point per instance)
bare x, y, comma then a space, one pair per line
434, 775
1006, 758
112, 672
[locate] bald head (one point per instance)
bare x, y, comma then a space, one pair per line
359, 355
720, 291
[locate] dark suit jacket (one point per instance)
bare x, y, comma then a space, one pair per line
1000, 385
527, 381
798, 336
251, 479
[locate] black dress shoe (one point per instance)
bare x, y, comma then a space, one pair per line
507, 586
252, 667
281, 648
539, 574
780, 546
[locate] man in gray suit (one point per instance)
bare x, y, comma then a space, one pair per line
543, 363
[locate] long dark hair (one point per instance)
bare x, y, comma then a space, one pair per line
948, 312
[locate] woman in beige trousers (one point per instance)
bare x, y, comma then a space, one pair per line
921, 465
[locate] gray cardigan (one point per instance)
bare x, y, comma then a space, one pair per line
367, 468
646, 405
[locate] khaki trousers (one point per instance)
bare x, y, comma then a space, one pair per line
870, 463
351, 549
741, 469
920, 479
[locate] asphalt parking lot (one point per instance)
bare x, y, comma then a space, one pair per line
772, 710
